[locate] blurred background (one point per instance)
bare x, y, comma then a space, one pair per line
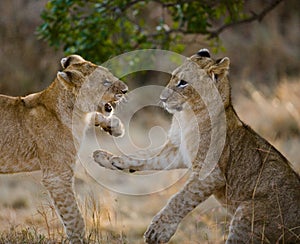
265, 79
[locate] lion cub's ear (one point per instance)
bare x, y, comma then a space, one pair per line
69, 78
72, 59
219, 69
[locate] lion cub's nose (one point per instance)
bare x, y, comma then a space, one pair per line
125, 90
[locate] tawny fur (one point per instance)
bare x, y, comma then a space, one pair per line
251, 179
36, 131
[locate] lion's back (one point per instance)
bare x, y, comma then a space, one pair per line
18, 147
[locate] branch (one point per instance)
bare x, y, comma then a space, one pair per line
214, 33
254, 17
181, 2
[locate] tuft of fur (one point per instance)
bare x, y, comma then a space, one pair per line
203, 53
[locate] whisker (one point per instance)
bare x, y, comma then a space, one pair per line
124, 99
160, 104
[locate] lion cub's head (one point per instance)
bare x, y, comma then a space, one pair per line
93, 86
189, 82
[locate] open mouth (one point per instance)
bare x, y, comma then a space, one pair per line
105, 109
108, 107
114, 104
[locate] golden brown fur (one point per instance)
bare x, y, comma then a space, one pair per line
42, 131
251, 179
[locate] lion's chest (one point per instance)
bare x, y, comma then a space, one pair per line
185, 132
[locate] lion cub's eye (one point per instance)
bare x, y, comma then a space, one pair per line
106, 82
182, 83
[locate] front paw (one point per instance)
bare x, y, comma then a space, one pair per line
116, 127
113, 125
104, 158
159, 230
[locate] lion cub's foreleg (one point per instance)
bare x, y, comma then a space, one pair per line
168, 157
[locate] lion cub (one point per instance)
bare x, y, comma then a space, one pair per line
254, 181
43, 131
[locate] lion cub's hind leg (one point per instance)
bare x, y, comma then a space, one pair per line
256, 222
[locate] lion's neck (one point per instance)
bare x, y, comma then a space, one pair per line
190, 131
232, 119
200, 113
203, 130
61, 102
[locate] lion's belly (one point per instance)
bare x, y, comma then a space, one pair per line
17, 151
17, 155
11, 166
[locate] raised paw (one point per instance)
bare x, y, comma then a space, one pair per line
112, 124
103, 158
159, 231
116, 127
109, 161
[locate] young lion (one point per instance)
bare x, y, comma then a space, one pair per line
42, 131
251, 178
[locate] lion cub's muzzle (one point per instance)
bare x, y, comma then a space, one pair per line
171, 100
122, 89
120, 95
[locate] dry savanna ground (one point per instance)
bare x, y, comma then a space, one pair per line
26, 215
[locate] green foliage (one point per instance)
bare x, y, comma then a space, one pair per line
100, 29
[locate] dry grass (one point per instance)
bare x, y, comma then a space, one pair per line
276, 117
